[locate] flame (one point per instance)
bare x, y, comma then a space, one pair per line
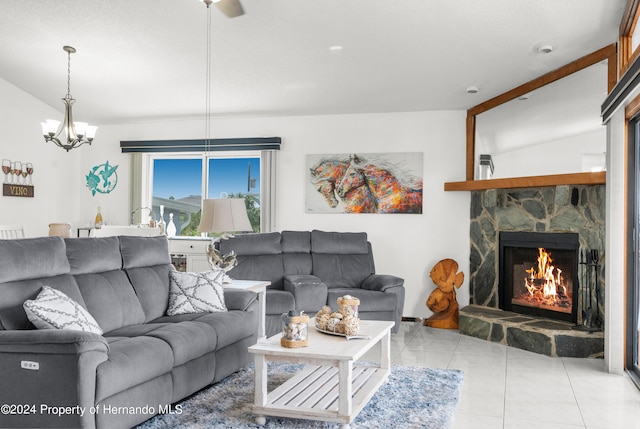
545, 283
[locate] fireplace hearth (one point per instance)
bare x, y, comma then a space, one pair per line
538, 274
556, 324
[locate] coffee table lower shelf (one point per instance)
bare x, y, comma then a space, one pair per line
314, 393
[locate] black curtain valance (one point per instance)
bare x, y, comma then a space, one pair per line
619, 94
202, 145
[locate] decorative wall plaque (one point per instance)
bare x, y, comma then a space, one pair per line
9, 190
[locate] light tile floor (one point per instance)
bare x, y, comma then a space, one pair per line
509, 388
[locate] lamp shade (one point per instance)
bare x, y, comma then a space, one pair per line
224, 215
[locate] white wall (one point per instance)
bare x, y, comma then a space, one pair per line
56, 172
403, 244
555, 157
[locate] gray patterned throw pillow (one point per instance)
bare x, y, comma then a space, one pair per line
53, 309
196, 292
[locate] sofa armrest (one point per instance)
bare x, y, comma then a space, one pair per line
49, 368
238, 299
309, 291
381, 282
51, 341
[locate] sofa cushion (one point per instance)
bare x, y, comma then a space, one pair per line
93, 255
133, 330
14, 294
341, 259
188, 340
96, 264
110, 298
230, 327
195, 292
132, 361
267, 243
53, 309
152, 288
259, 257
339, 243
32, 258
140, 252
296, 250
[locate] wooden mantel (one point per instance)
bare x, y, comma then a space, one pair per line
598, 178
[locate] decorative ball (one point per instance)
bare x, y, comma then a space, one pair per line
351, 325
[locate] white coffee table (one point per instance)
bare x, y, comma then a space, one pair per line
331, 387
259, 287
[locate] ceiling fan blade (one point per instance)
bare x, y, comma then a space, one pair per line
231, 8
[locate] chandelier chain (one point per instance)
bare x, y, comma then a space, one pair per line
69, 74
208, 84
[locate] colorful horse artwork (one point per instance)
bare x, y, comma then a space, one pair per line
326, 175
390, 194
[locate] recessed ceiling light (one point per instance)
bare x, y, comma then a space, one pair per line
544, 49
335, 49
472, 89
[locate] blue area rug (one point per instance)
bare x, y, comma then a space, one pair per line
412, 398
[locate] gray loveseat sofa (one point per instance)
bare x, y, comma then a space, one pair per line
308, 269
143, 362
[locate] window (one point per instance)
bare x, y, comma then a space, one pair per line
178, 174
178, 183
629, 36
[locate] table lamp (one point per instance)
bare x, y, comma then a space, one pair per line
223, 216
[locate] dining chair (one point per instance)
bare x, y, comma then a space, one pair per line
8, 232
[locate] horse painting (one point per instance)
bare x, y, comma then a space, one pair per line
390, 194
326, 175
366, 183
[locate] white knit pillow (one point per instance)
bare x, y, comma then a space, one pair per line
53, 309
196, 292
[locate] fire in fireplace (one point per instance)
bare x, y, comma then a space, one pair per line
538, 274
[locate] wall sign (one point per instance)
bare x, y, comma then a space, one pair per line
17, 190
16, 174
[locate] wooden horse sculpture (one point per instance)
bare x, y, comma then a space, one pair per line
442, 300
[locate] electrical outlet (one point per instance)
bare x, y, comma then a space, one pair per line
27, 364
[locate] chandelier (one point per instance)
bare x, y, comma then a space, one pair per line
77, 133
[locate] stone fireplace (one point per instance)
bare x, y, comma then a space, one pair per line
561, 220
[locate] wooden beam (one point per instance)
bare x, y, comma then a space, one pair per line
598, 178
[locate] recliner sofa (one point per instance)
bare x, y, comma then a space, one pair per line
143, 362
309, 269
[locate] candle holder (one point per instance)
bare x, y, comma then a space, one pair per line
348, 305
294, 329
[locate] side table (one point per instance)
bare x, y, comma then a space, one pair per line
259, 287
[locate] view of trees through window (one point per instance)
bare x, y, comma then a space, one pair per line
179, 184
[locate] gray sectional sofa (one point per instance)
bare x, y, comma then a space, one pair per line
308, 269
143, 359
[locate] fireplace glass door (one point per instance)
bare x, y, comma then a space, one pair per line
538, 274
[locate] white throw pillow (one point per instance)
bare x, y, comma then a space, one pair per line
196, 292
53, 309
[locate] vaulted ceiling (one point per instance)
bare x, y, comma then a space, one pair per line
141, 59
